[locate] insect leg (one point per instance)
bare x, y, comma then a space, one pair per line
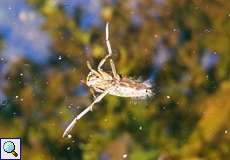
89, 108
114, 70
93, 93
91, 69
108, 47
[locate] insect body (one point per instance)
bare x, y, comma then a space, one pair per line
111, 83
122, 87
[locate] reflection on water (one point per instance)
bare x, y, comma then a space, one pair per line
20, 27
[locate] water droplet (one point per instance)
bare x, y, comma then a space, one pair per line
125, 155
207, 30
69, 136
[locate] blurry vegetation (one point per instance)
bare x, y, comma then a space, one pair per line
1, 41
187, 119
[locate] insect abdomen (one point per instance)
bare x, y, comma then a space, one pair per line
124, 91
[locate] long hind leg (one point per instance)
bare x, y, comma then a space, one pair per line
89, 108
108, 47
109, 54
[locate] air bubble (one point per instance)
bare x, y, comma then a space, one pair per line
125, 155
69, 136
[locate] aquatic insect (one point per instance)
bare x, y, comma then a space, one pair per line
110, 83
